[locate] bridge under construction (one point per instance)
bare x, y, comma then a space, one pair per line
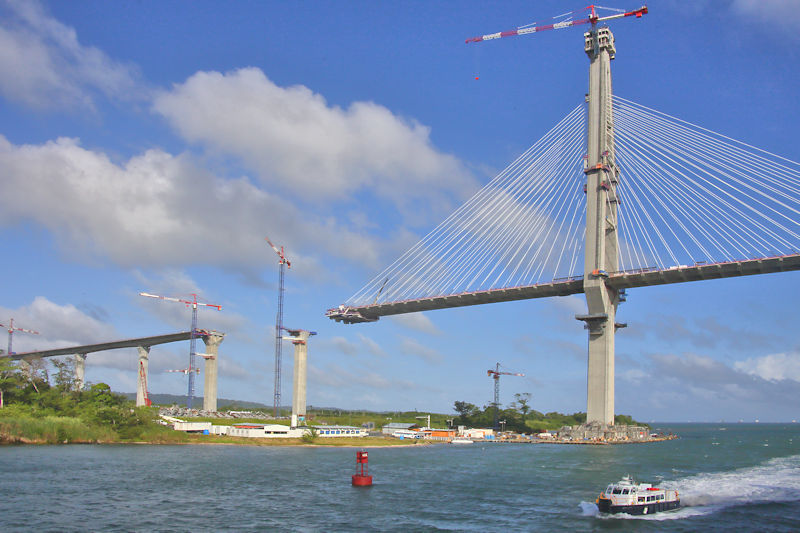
662, 201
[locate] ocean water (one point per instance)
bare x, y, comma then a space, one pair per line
734, 476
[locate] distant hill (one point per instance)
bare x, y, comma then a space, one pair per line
175, 399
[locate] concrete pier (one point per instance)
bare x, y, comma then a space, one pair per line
80, 371
299, 338
212, 341
141, 388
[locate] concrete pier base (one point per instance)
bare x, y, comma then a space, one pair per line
212, 342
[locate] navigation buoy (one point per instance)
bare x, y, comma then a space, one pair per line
362, 477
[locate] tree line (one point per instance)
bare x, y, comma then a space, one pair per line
520, 417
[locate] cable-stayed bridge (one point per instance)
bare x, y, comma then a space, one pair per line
615, 196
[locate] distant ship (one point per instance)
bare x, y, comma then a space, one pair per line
634, 498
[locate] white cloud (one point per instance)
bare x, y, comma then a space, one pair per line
156, 209
373, 348
782, 14
772, 367
296, 141
412, 347
42, 64
344, 345
59, 326
416, 321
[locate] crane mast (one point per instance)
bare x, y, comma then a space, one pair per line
495, 374
282, 262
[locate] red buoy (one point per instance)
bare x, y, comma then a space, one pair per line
362, 477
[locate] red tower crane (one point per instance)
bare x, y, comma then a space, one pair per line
11, 329
283, 262
495, 374
192, 370
593, 18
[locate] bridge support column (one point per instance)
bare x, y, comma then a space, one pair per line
299, 338
601, 229
141, 372
80, 371
212, 342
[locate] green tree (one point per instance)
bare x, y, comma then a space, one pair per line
522, 403
466, 412
64, 377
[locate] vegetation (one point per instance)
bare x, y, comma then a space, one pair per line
43, 407
41, 404
520, 417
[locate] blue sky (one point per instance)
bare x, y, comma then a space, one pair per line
150, 146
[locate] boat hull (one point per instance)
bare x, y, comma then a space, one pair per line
605, 506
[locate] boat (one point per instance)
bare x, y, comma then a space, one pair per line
461, 440
627, 496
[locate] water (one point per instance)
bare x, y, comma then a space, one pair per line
744, 476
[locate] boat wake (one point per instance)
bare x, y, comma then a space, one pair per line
776, 480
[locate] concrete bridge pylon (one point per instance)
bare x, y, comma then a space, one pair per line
602, 246
212, 341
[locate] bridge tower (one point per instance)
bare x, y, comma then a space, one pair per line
602, 247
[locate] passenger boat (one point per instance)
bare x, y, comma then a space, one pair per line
633, 498
461, 440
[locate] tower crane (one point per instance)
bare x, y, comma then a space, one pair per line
283, 262
11, 329
593, 18
192, 370
495, 374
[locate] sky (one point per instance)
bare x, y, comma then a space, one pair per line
152, 146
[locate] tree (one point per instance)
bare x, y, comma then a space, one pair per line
522, 403
466, 411
9, 377
65, 374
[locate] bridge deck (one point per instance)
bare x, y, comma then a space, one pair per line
112, 345
620, 280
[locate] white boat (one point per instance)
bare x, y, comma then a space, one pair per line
630, 497
461, 440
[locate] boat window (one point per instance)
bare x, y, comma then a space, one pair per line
641, 498
617, 490
625, 491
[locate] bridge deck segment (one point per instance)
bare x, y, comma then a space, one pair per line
619, 280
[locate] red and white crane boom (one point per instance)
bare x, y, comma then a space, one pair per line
11, 329
593, 19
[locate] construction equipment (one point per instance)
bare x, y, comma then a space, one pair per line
11, 329
192, 370
282, 261
143, 379
593, 18
495, 374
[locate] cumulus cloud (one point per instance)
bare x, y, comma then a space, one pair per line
295, 140
772, 367
156, 209
59, 326
42, 64
697, 387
